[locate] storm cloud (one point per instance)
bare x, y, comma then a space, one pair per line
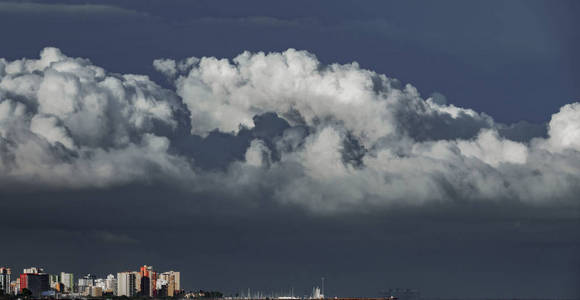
328, 138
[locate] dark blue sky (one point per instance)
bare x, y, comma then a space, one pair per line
513, 60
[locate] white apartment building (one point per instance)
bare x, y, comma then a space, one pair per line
126, 284
111, 284
67, 279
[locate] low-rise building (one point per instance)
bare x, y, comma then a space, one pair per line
96, 291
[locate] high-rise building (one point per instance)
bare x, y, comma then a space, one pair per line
145, 286
126, 284
171, 279
67, 279
15, 286
177, 280
53, 280
4, 280
86, 282
148, 281
34, 280
171, 286
111, 284
137, 281
36, 283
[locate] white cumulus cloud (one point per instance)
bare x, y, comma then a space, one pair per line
356, 140
67, 123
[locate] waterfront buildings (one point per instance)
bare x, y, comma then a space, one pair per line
145, 282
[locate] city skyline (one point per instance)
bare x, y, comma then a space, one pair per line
144, 282
380, 144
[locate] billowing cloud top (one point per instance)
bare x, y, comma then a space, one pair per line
354, 139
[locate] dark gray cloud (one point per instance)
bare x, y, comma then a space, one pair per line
444, 249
